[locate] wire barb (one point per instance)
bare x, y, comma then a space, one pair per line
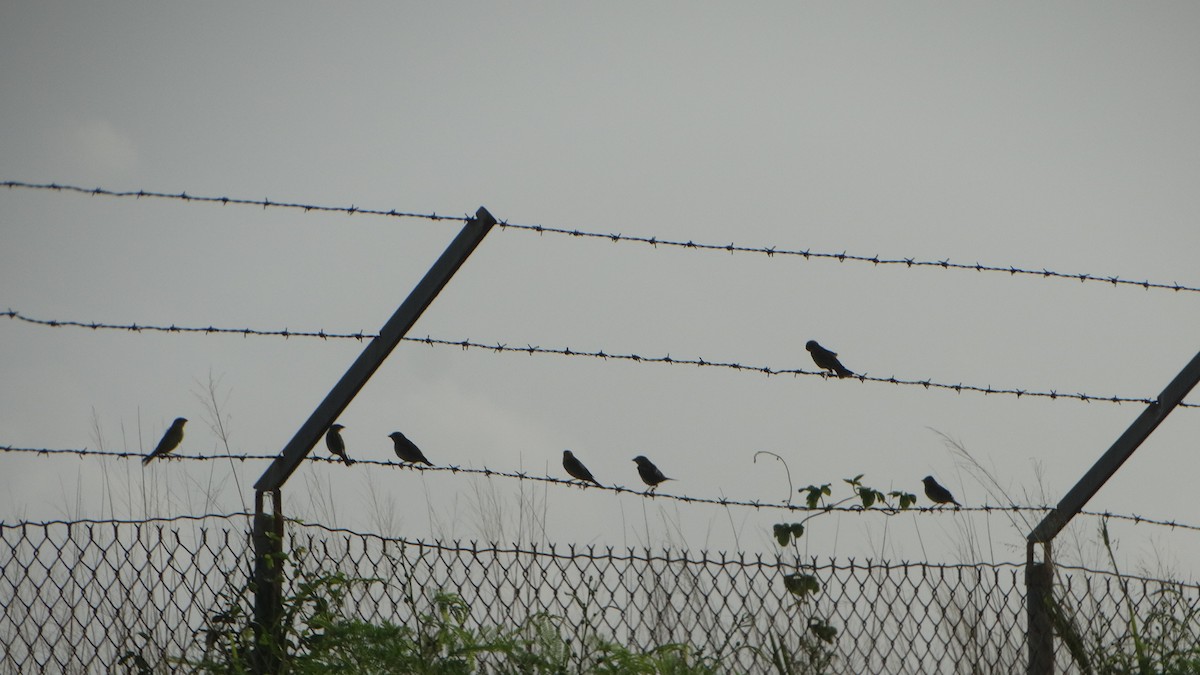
655, 242
599, 354
618, 489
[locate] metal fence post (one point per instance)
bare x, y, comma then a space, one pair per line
270, 646
1039, 593
270, 650
376, 351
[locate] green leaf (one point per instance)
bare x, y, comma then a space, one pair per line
813, 493
800, 584
867, 495
785, 533
813, 496
906, 499
823, 631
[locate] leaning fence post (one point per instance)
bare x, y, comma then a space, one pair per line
1038, 577
376, 351
269, 648
1039, 593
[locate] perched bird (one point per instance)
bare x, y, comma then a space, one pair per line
936, 493
333, 441
406, 450
169, 442
826, 360
577, 469
649, 473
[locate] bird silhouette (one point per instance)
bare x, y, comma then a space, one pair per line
333, 441
170, 440
406, 450
576, 468
936, 493
827, 360
650, 474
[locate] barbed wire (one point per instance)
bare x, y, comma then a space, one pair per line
127, 521
237, 201
601, 354
655, 242
617, 489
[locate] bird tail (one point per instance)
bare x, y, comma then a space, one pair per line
348, 461
843, 371
147, 458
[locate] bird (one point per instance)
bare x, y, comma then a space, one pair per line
650, 474
827, 360
170, 440
333, 441
577, 469
936, 493
406, 450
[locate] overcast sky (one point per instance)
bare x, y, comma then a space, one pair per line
1040, 135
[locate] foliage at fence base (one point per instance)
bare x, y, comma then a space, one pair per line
319, 638
152, 597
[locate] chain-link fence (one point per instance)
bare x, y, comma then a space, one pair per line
150, 596
91, 596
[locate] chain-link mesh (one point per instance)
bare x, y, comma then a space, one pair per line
87, 596
103, 597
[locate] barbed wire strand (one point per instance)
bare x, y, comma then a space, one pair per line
127, 521
602, 354
655, 242
617, 489
236, 201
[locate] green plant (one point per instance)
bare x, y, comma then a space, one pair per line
319, 637
814, 651
670, 659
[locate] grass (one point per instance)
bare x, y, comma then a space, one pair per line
1157, 633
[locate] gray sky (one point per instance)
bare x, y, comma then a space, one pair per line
1056, 136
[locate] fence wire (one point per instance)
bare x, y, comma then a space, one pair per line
596, 354
156, 596
616, 237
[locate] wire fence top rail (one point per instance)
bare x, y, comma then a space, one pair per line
767, 251
573, 551
601, 354
608, 552
618, 489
